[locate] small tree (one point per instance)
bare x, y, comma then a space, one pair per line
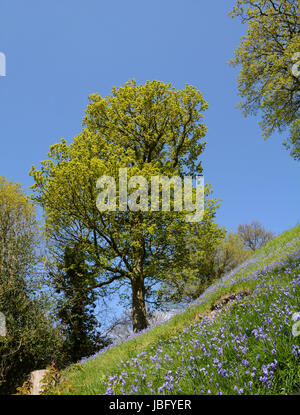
230, 254
190, 281
254, 235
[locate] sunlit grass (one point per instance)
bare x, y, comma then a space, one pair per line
246, 347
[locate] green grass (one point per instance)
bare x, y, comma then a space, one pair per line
199, 352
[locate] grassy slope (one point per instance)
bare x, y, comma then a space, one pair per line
245, 347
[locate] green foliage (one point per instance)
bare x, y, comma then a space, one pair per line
266, 55
230, 254
293, 142
25, 389
152, 130
51, 379
198, 268
213, 253
31, 341
76, 304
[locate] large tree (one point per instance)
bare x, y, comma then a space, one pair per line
152, 130
269, 55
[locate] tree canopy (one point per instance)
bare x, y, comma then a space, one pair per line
254, 235
152, 130
269, 79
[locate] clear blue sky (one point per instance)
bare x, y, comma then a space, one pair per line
58, 52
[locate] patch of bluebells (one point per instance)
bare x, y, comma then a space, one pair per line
287, 252
247, 271
235, 350
222, 341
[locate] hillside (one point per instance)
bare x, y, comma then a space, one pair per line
241, 344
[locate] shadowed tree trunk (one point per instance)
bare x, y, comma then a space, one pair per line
139, 318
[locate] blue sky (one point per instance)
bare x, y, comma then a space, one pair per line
59, 52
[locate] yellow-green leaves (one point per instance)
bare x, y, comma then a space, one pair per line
151, 130
266, 55
154, 122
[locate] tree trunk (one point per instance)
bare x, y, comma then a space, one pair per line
139, 317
